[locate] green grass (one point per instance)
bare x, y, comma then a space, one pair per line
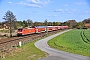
87, 33
4, 31
72, 42
27, 52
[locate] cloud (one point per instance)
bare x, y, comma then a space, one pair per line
39, 1
55, 15
28, 4
35, 3
52, 15
80, 3
67, 11
59, 10
10, 2
65, 5
87, 11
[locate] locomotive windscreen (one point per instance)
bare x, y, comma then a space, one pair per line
20, 30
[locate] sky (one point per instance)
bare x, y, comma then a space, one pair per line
52, 10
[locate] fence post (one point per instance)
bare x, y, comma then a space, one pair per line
20, 43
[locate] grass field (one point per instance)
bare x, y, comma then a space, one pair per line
87, 34
74, 41
27, 52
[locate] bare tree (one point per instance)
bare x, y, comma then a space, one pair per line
10, 17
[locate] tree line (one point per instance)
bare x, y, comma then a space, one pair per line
30, 23
13, 23
11, 20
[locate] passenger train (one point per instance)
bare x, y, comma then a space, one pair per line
39, 29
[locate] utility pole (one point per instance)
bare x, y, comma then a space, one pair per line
46, 27
10, 29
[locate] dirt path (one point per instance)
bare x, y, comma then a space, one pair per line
57, 54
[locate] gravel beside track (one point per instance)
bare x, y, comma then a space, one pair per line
57, 54
7, 43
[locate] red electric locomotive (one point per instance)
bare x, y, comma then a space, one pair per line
25, 31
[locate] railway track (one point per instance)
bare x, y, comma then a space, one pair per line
8, 43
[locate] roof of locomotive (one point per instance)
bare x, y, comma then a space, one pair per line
24, 28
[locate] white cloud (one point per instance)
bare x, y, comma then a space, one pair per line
52, 15
74, 10
28, 4
80, 3
55, 15
10, 2
35, 3
65, 5
41, 2
67, 11
87, 12
59, 10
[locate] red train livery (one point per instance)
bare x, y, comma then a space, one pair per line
39, 29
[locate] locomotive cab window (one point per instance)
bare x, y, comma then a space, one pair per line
20, 30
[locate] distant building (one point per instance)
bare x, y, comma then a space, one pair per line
5, 26
87, 25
